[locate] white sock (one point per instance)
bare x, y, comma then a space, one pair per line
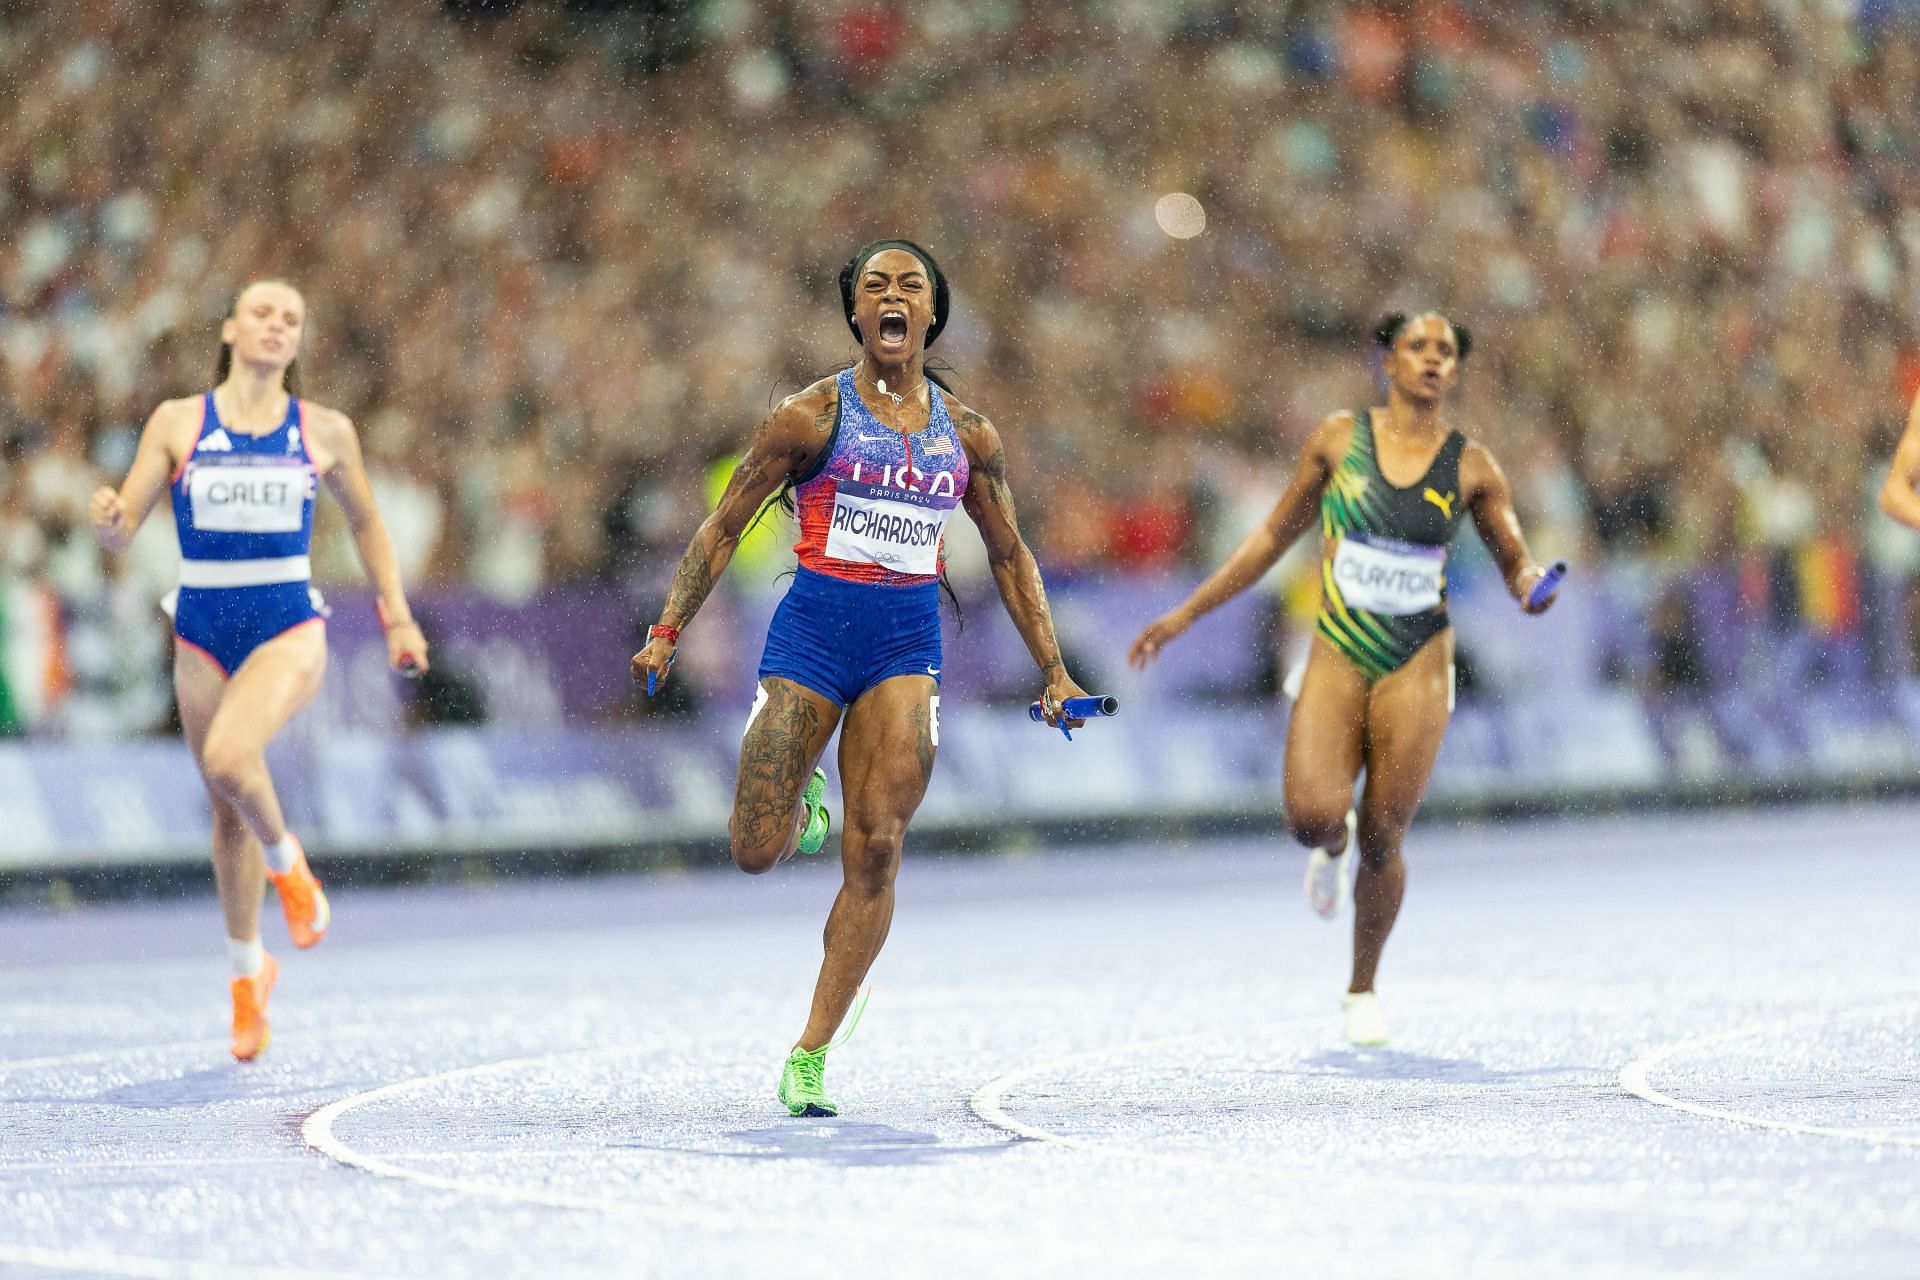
280, 854
248, 958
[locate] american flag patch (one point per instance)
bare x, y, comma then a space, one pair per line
937, 446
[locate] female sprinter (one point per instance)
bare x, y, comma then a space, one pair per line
877, 459
241, 462
1391, 486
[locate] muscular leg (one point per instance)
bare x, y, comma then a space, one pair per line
275, 681
1406, 719
1325, 740
886, 760
788, 731
239, 874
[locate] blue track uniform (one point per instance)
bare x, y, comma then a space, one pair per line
243, 506
864, 605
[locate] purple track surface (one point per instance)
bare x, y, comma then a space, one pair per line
1662, 1046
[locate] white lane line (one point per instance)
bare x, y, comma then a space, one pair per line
1637, 1078
317, 1129
989, 1103
113, 1264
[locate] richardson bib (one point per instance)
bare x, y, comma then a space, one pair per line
234, 497
892, 527
1380, 575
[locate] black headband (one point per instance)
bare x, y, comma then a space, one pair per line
942, 299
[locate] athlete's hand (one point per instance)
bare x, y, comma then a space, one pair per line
1148, 644
1523, 583
407, 649
651, 665
106, 511
1058, 690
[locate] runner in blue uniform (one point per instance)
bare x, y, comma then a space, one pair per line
242, 463
877, 459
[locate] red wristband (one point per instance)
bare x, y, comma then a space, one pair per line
661, 631
386, 623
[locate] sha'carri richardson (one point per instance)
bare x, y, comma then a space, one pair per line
1390, 485
875, 459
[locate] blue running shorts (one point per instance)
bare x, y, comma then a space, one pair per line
840, 638
229, 623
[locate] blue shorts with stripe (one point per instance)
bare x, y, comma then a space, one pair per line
228, 623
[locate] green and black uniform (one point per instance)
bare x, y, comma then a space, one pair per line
1383, 581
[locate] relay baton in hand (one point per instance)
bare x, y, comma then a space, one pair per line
1088, 708
652, 676
1542, 591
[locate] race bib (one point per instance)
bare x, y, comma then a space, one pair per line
228, 497
1380, 575
891, 527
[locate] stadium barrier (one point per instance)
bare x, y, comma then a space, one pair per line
1583, 707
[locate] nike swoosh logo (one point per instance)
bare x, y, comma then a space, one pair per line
933, 671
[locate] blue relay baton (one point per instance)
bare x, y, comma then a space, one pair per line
1087, 708
652, 675
1542, 591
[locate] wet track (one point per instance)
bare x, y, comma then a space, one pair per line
1668, 1046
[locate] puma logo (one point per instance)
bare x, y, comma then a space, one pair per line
1445, 504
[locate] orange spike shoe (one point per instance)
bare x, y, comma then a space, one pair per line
302, 898
250, 1030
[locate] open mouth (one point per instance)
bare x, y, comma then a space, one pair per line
893, 326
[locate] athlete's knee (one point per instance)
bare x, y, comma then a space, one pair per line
1380, 839
1317, 825
755, 852
228, 763
872, 855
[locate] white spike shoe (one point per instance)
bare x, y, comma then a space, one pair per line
1328, 884
1366, 1026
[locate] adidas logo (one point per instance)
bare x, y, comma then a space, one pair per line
217, 442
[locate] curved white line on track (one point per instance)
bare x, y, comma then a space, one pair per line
1636, 1078
113, 1264
989, 1103
317, 1129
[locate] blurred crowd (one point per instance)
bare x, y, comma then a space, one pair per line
560, 258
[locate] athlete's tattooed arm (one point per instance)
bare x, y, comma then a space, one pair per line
1263, 546
783, 446
1490, 499
989, 501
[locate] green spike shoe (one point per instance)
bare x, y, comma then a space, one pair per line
819, 821
801, 1086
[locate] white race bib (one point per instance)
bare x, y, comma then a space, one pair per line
1383, 576
229, 497
891, 527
